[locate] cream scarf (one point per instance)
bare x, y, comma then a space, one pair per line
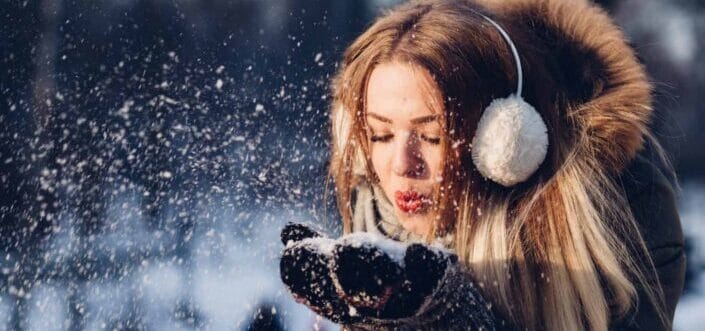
374, 213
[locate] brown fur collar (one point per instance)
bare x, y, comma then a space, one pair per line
598, 74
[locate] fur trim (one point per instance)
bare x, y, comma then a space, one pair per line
603, 81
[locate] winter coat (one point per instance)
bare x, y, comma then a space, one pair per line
652, 200
609, 94
651, 196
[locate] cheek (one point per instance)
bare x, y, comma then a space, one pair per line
380, 158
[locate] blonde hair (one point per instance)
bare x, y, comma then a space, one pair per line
551, 252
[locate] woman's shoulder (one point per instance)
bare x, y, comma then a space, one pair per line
651, 191
648, 171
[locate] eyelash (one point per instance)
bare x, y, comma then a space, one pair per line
434, 140
388, 137
384, 138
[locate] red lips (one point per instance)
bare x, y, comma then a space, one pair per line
411, 201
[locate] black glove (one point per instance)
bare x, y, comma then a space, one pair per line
381, 286
374, 282
304, 268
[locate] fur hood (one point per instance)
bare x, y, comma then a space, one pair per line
600, 76
596, 74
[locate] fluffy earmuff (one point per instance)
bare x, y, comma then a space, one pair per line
510, 141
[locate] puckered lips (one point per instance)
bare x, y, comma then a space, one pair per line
412, 202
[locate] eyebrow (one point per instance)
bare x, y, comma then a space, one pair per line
418, 120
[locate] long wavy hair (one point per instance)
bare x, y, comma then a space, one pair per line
559, 251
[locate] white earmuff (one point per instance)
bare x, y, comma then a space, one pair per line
510, 141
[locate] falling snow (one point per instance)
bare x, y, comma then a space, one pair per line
150, 177
150, 152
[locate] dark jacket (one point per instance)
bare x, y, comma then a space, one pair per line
610, 98
652, 200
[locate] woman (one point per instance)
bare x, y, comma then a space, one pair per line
515, 134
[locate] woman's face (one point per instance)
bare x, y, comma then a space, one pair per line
404, 135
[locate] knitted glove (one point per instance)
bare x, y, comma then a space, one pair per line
364, 281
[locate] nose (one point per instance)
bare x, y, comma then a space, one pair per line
408, 160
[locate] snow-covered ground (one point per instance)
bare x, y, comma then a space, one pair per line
232, 271
230, 268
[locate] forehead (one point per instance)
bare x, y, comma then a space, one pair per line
401, 90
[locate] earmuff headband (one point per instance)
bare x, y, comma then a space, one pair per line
510, 141
517, 61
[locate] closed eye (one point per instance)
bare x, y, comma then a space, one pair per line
432, 140
388, 137
382, 138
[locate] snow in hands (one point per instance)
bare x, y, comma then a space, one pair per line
367, 279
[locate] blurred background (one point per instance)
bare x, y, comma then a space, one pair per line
151, 150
